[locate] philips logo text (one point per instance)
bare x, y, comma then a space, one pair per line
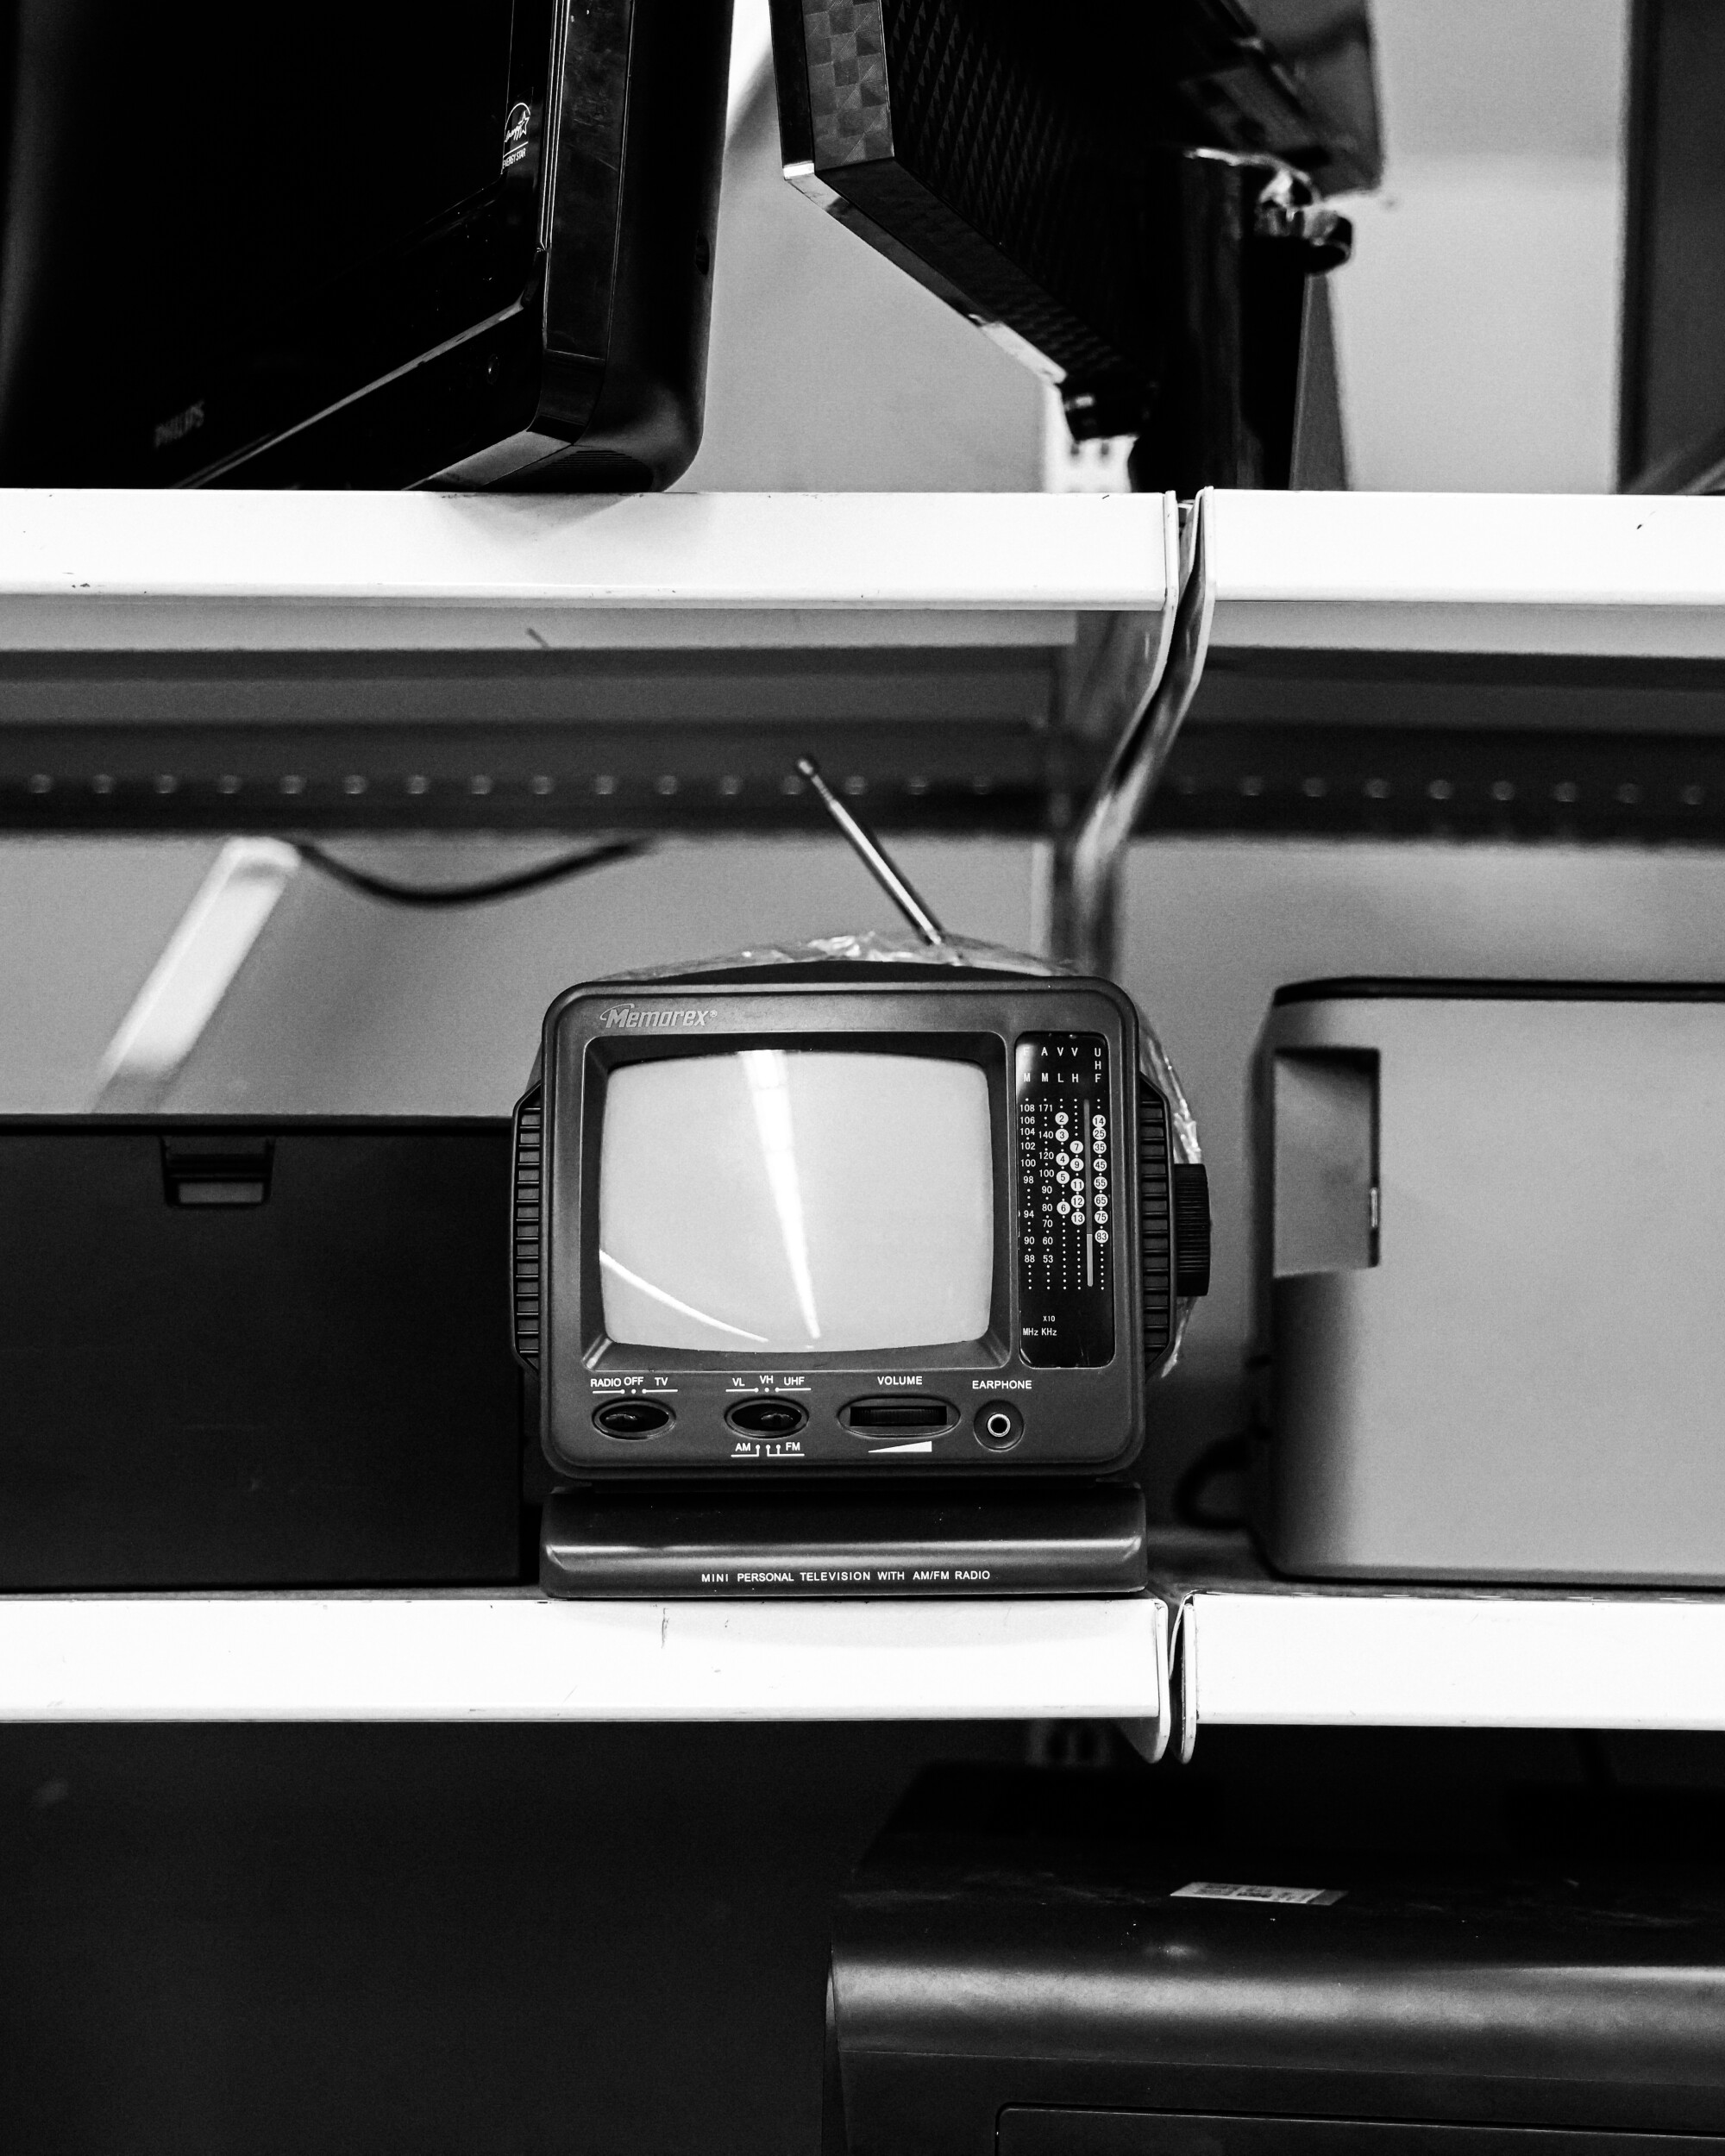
184, 423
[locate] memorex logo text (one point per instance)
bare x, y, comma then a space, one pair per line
634, 1017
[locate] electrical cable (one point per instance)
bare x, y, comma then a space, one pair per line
480, 893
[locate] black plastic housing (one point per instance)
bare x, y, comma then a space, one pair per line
247, 1353
527, 307
1081, 1416
776, 1539
1671, 437
1088, 186
1022, 1967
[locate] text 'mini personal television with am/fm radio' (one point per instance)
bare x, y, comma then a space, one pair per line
849, 1217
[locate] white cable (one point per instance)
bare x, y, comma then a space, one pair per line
206, 950
751, 57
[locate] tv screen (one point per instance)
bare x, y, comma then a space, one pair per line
782, 1200
356, 245
387, 116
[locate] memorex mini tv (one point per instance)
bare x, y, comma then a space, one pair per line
856, 1209
1491, 1281
793, 1227
848, 1220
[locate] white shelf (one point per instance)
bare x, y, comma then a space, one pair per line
353, 660
89, 571
1380, 662
1433, 1658
1577, 574
1637, 577
459, 1657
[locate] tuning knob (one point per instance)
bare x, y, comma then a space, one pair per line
1191, 1231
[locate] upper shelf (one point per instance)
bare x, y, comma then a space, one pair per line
361, 661
1482, 665
256, 572
1460, 666
1538, 576
1631, 577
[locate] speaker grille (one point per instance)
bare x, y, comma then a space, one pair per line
529, 1151
1155, 1258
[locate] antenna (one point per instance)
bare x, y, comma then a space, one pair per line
869, 851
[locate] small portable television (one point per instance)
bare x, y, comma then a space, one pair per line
847, 1217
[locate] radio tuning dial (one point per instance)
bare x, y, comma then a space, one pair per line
1065, 1260
768, 1417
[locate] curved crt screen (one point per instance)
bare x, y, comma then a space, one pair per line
786, 1201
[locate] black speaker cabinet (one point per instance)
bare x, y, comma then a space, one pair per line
238, 1354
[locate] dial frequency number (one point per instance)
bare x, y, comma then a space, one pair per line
1067, 1187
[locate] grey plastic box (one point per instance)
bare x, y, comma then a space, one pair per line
1491, 1282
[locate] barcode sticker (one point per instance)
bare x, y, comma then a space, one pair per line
1212, 1891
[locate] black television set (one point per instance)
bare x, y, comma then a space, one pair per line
1671, 385
1131, 198
468, 243
849, 1219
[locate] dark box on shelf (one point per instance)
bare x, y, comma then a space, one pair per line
238, 1353
1094, 1964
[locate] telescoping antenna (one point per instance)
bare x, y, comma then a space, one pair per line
873, 856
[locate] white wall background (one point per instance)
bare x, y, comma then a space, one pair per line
829, 368
1478, 322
